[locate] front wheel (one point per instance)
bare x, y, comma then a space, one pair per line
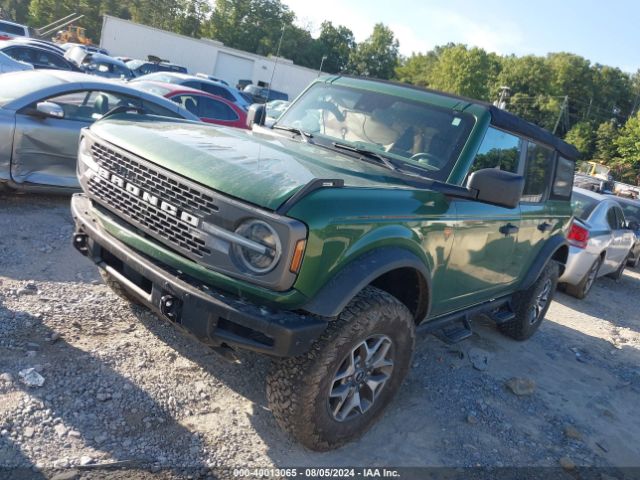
336, 391
531, 305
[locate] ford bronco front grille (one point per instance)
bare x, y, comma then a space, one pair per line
178, 207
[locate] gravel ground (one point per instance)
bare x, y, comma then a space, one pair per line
123, 388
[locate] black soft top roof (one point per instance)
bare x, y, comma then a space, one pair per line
499, 118
513, 123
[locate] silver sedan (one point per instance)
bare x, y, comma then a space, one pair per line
41, 114
599, 240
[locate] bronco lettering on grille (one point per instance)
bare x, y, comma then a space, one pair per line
147, 197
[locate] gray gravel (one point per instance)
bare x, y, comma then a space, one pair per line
123, 388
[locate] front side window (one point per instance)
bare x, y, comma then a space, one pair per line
537, 173
89, 106
499, 150
215, 110
416, 133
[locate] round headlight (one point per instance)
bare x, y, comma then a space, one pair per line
261, 252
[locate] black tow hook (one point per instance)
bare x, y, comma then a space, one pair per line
171, 307
80, 241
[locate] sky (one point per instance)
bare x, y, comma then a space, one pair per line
603, 31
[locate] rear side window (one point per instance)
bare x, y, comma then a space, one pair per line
213, 109
498, 150
612, 219
563, 181
216, 90
11, 29
537, 173
582, 205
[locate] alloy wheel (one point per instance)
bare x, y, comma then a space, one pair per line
540, 302
361, 378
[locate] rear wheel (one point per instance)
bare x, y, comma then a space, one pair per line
336, 391
617, 275
633, 262
582, 288
531, 305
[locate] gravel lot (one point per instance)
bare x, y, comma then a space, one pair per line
124, 388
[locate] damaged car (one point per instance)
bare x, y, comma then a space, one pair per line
41, 114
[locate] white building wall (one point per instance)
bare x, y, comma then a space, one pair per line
126, 38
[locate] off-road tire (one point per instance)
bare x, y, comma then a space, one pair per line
617, 275
526, 322
633, 263
298, 388
582, 289
117, 287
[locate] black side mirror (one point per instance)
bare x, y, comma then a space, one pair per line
497, 187
256, 115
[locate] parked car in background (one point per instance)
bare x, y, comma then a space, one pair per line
8, 64
9, 30
209, 108
600, 241
631, 209
88, 48
41, 114
199, 83
98, 64
212, 78
243, 83
37, 56
263, 94
39, 43
142, 67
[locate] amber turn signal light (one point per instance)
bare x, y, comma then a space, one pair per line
298, 253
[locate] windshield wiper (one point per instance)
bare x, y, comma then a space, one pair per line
306, 136
367, 153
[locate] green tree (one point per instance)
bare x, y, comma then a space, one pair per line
581, 136
15, 10
465, 71
606, 135
250, 25
627, 164
336, 43
377, 56
417, 68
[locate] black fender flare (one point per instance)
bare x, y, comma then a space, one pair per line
548, 250
348, 282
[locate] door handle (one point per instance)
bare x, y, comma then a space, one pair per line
508, 229
545, 227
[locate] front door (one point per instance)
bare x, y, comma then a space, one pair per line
483, 262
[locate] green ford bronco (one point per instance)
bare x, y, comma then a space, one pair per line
369, 211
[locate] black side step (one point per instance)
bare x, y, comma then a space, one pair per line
456, 331
502, 315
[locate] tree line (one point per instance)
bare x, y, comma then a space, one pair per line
593, 106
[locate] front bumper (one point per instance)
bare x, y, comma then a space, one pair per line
213, 317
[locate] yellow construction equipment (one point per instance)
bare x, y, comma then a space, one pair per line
72, 34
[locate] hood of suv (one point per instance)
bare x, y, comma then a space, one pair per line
261, 169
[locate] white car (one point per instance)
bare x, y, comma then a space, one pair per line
9, 30
8, 64
600, 239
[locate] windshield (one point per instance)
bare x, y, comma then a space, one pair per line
582, 205
414, 132
152, 87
